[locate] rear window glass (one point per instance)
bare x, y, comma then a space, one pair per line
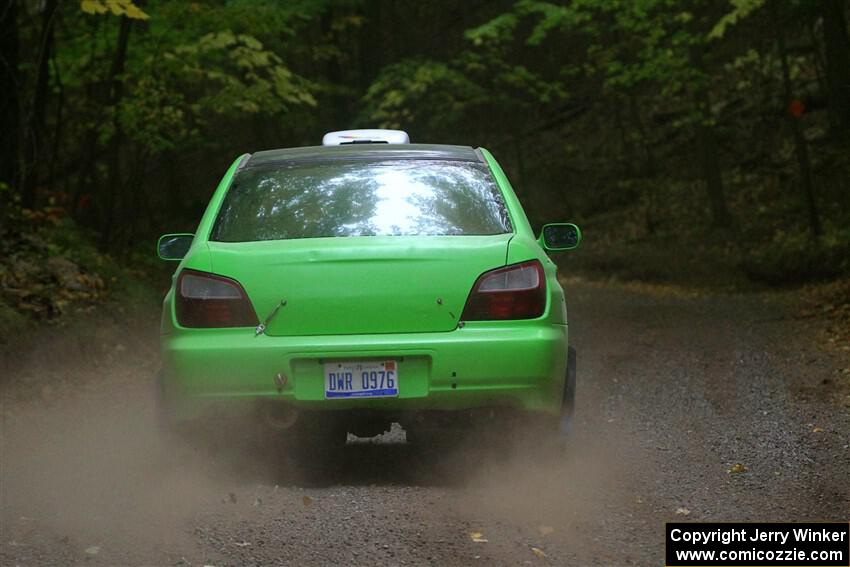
384, 198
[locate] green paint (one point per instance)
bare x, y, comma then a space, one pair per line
383, 297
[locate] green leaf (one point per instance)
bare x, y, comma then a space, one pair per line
117, 7
740, 9
93, 7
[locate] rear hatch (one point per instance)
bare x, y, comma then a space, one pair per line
340, 286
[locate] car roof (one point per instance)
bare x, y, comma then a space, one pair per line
369, 152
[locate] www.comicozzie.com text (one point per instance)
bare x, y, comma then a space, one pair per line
756, 534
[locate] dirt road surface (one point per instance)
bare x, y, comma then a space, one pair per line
674, 393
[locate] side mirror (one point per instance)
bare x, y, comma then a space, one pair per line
174, 246
560, 236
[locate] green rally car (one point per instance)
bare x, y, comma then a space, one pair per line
343, 287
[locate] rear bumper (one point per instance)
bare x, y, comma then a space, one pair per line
519, 365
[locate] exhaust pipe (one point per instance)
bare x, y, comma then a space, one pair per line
278, 416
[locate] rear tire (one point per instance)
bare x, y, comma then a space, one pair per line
166, 426
568, 403
544, 433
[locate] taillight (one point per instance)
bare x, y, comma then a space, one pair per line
206, 300
512, 292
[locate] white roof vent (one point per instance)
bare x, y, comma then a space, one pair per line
365, 137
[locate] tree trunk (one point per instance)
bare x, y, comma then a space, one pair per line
837, 49
114, 186
9, 109
649, 169
710, 162
93, 103
339, 101
57, 131
707, 143
801, 148
520, 164
627, 149
35, 138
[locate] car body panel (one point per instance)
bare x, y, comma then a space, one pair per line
365, 152
524, 244
368, 298
519, 220
360, 285
516, 364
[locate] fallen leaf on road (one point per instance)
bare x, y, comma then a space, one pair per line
478, 537
737, 468
545, 530
817, 430
93, 550
307, 500
538, 552
683, 511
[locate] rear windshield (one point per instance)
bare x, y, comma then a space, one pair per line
383, 198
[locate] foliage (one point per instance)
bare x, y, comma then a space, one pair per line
740, 9
46, 265
433, 97
178, 74
413, 91
117, 7
622, 114
793, 258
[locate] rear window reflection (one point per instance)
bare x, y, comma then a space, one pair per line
386, 198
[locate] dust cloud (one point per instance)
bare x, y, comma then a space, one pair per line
81, 455
85, 468
569, 500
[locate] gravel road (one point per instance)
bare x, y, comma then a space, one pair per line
674, 393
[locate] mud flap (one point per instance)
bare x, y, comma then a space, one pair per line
565, 427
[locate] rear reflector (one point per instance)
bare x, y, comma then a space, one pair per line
512, 292
205, 300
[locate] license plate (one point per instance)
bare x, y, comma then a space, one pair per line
371, 379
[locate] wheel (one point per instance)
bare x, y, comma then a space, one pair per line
551, 434
166, 427
568, 403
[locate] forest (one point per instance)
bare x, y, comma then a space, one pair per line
703, 143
